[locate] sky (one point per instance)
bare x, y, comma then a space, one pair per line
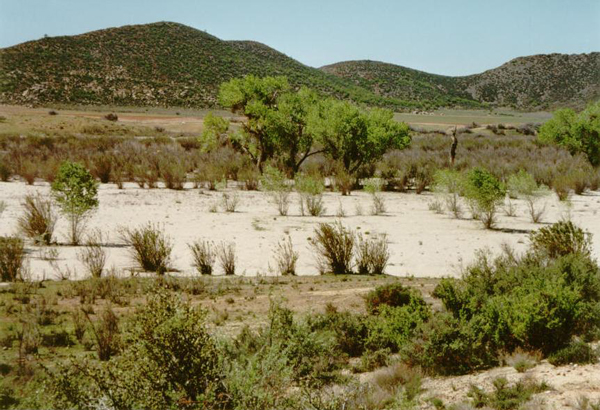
451, 37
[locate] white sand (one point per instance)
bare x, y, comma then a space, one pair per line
422, 243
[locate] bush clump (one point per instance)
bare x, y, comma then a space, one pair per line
533, 302
372, 255
204, 256
12, 255
151, 248
485, 192
561, 239
334, 245
576, 352
393, 295
38, 219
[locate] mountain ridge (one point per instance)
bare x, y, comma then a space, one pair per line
170, 64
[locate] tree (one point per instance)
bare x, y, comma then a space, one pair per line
355, 137
256, 98
290, 127
215, 128
576, 132
76, 192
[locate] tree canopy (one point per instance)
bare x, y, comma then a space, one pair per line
292, 125
577, 132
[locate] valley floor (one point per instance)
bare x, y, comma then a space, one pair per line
422, 243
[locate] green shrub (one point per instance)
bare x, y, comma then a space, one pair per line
450, 184
93, 255
311, 190
12, 255
393, 327
485, 192
38, 220
151, 249
227, 257
275, 183
76, 192
576, 352
560, 239
334, 245
523, 185
372, 255
506, 397
374, 186
286, 258
393, 295
169, 356
204, 256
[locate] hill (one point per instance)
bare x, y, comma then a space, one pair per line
169, 64
159, 64
534, 82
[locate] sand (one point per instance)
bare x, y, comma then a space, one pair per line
422, 243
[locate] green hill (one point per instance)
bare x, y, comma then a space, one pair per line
160, 64
169, 64
534, 82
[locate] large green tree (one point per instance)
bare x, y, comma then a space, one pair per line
355, 137
577, 132
255, 98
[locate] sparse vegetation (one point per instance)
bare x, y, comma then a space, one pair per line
150, 247
204, 256
38, 219
334, 245
76, 192
12, 255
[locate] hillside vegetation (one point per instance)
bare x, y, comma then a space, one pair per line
169, 64
160, 64
534, 82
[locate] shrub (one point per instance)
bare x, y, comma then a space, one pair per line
230, 201
204, 256
334, 245
343, 180
393, 295
286, 258
373, 187
561, 239
311, 198
106, 333
38, 220
523, 185
274, 182
151, 248
29, 171
76, 192
12, 255
250, 177
111, 117
576, 352
173, 173
226, 255
450, 184
506, 397
372, 255
5, 170
485, 192
93, 255
530, 302
170, 356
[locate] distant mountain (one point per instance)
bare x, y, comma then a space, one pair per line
534, 82
169, 64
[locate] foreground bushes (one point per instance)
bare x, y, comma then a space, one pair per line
539, 301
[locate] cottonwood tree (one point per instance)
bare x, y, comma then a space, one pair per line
355, 137
256, 98
577, 132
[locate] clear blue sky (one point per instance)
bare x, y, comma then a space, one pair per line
453, 37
